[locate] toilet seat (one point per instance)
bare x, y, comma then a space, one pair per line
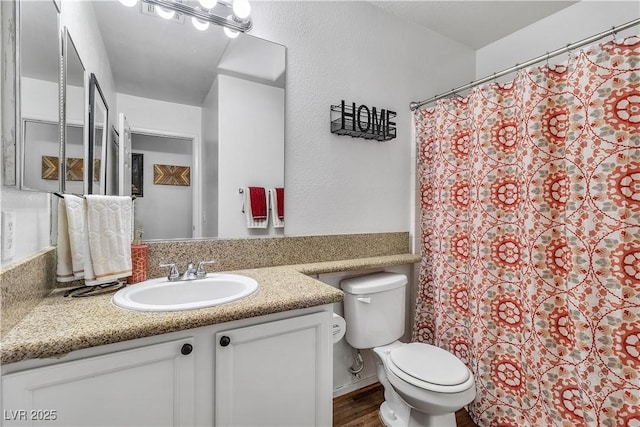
429, 367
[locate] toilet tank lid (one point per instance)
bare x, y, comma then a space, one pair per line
372, 283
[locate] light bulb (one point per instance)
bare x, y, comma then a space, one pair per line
199, 24
232, 34
129, 3
241, 9
208, 4
164, 13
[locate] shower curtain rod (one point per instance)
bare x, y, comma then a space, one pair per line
571, 46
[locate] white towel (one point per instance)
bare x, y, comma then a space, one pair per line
76, 225
109, 236
64, 269
251, 222
273, 200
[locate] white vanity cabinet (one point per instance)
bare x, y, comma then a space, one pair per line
275, 374
275, 370
147, 386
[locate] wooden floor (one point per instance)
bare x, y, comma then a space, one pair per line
360, 409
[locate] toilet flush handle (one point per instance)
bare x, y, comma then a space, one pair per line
364, 300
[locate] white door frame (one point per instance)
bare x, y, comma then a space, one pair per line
196, 181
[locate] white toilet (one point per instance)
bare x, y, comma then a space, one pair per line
423, 385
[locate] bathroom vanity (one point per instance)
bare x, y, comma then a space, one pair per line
261, 360
249, 372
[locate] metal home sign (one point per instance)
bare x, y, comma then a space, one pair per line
362, 121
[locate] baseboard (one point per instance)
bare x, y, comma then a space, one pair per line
364, 382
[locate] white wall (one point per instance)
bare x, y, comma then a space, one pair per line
209, 167
160, 116
570, 25
39, 99
250, 135
80, 18
356, 52
32, 226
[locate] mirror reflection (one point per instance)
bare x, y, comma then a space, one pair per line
206, 117
98, 122
73, 168
112, 161
39, 55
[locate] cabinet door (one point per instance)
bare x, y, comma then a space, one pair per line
275, 374
147, 386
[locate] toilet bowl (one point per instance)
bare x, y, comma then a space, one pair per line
432, 382
424, 384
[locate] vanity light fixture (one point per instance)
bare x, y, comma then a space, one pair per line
164, 13
241, 10
208, 4
232, 34
237, 22
199, 24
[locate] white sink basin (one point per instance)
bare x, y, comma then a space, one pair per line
162, 295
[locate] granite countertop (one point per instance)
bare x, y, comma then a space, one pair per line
59, 325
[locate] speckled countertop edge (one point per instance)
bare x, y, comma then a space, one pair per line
60, 325
356, 264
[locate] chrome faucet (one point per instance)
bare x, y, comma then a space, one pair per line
191, 273
174, 274
201, 273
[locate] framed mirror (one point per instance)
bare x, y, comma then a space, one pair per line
206, 114
38, 132
72, 150
97, 144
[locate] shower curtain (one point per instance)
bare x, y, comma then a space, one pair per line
530, 226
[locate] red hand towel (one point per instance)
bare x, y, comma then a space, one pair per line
280, 201
258, 198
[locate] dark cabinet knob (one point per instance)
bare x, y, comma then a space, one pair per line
225, 341
186, 349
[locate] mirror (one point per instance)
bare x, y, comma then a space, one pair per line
98, 129
205, 112
38, 129
73, 149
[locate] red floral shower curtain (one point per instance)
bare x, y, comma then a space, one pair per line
530, 222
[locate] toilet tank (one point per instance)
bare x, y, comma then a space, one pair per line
374, 308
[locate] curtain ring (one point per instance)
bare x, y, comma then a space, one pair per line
569, 52
547, 59
613, 35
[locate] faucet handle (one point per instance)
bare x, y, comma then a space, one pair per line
201, 272
174, 274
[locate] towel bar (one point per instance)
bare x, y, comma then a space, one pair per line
80, 195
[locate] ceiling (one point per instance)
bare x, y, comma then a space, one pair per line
473, 23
